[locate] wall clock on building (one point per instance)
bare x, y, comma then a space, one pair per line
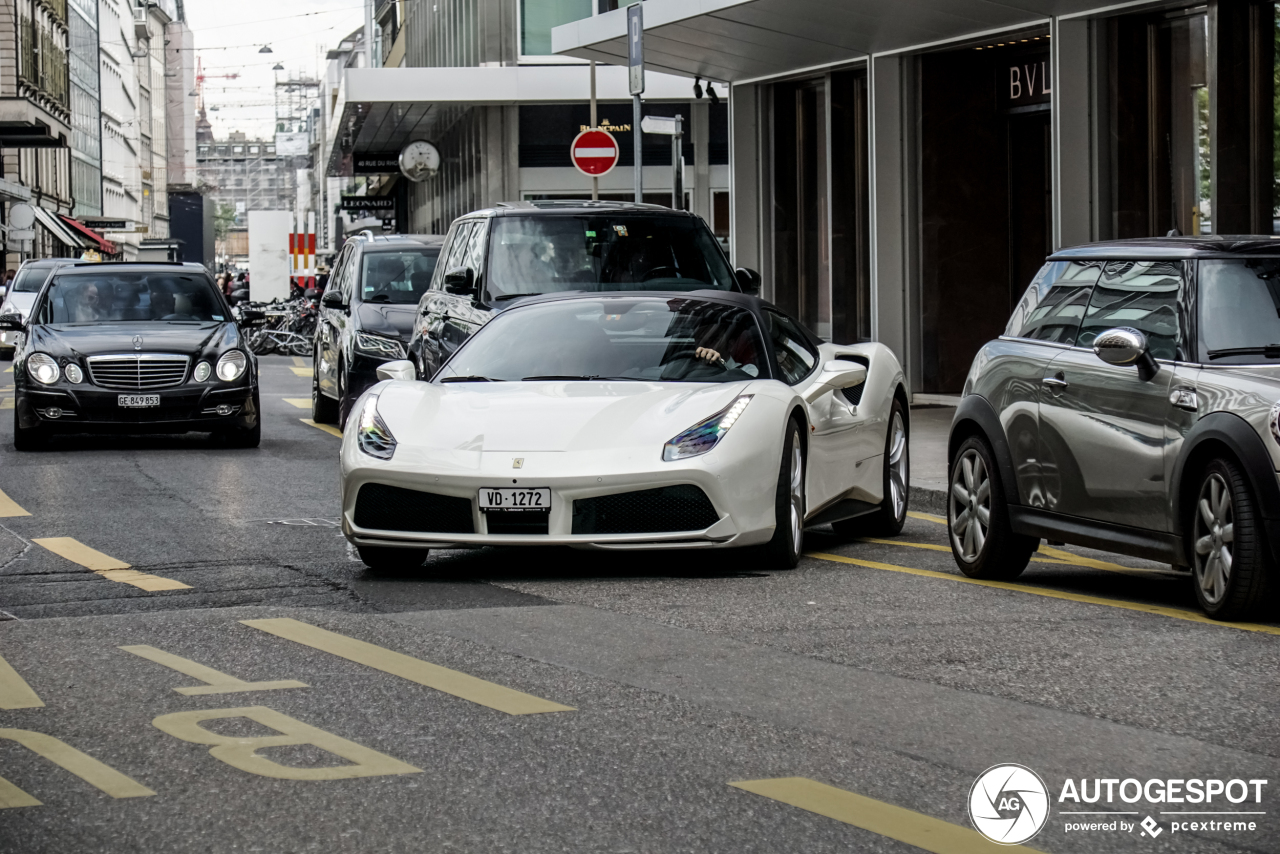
419, 160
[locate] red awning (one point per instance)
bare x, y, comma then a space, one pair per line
105, 245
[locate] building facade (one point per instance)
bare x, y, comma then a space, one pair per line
479, 82
901, 169
246, 174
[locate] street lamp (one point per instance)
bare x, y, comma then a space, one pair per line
266, 49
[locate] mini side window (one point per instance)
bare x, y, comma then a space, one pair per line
1054, 304
1143, 295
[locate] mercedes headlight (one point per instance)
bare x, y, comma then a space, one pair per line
43, 368
706, 434
376, 345
9, 308
372, 434
74, 374
202, 372
231, 366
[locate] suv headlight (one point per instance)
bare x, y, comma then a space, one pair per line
706, 434
231, 366
372, 434
376, 345
9, 308
43, 368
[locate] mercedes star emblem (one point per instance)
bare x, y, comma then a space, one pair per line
137, 342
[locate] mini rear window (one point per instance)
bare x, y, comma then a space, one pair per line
1054, 304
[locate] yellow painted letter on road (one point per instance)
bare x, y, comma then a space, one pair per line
242, 753
85, 767
218, 682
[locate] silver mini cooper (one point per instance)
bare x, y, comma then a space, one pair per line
1131, 405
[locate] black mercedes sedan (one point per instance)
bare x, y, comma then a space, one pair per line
133, 348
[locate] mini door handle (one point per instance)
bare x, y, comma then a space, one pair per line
1058, 382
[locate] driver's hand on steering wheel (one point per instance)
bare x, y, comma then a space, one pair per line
708, 354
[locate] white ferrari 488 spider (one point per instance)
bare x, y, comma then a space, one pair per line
629, 420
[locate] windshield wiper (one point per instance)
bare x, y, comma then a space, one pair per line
1270, 351
504, 297
470, 380
591, 378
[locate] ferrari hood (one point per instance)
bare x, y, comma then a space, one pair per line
547, 416
101, 338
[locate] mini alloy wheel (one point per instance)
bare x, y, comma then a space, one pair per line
982, 540
1232, 568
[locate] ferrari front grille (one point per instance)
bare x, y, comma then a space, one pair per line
392, 508
667, 509
138, 371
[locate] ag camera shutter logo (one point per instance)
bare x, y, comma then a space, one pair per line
1009, 804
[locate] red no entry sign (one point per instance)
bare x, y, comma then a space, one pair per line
594, 152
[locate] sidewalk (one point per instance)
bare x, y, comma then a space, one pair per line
930, 426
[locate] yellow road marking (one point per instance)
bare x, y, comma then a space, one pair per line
904, 825
928, 517
7, 403
9, 369
8, 507
102, 777
302, 372
300, 402
218, 682
1161, 610
328, 428
15, 693
107, 566
1056, 557
462, 685
300, 362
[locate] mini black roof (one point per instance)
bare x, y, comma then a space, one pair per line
1172, 248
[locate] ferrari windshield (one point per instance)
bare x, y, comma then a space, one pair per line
544, 254
614, 338
121, 297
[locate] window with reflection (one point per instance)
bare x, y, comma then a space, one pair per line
1054, 304
1142, 295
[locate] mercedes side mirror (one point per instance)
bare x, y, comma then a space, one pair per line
748, 280
1125, 346
401, 369
311, 293
460, 281
11, 323
239, 295
836, 374
333, 299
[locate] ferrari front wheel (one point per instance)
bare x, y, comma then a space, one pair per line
783, 551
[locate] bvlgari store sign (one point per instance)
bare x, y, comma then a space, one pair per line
1023, 83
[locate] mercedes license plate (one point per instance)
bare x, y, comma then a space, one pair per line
505, 498
139, 401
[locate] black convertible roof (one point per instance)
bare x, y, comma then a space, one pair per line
1172, 248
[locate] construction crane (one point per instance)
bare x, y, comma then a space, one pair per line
201, 77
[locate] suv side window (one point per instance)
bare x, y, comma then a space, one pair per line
1143, 295
791, 346
1054, 304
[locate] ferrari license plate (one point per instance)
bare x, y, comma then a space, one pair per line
504, 498
139, 401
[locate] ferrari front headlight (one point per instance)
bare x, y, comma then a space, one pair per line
376, 345
43, 368
706, 434
231, 366
372, 434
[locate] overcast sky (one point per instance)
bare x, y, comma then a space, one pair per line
228, 36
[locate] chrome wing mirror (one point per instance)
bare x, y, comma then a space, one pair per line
401, 369
1125, 346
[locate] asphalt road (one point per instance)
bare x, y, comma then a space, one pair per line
551, 700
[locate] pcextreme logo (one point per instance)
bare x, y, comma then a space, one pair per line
1009, 804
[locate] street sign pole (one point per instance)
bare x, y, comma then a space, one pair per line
677, 164
595, 182
635, 62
